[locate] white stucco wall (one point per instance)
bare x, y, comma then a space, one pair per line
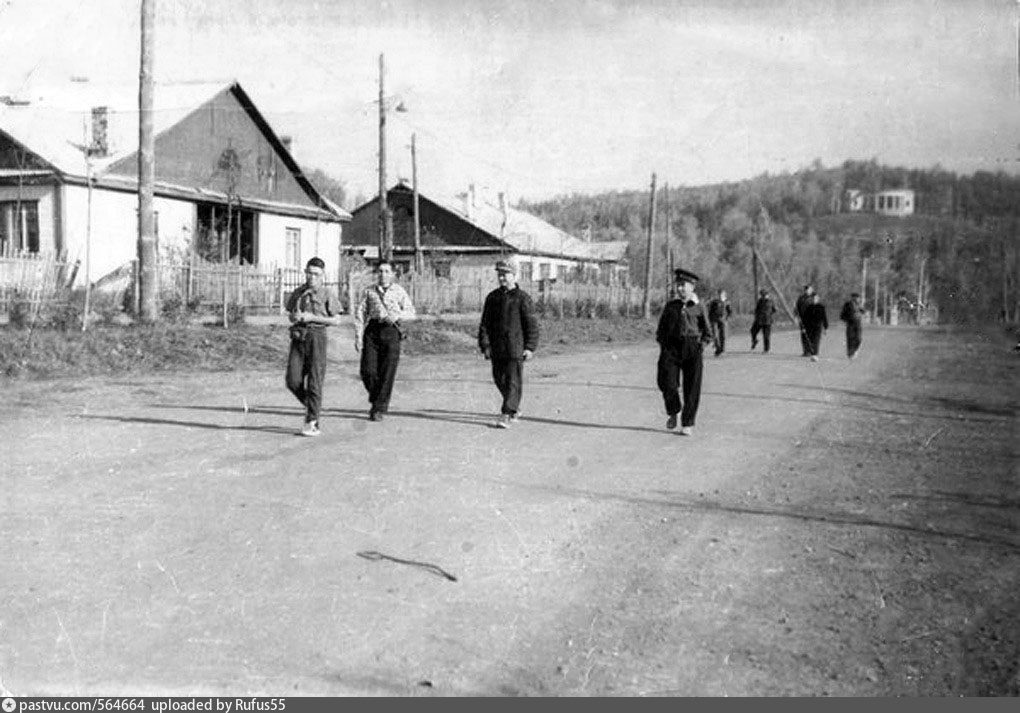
317, 238
114, 231
45, 196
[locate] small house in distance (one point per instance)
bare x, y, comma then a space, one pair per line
462, 236
898, 201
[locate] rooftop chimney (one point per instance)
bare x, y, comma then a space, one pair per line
286, 140
100, 146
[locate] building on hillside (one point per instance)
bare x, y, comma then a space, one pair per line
899, 201
217, 163
462, 236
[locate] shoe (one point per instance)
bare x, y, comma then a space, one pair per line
671, 422
814, 357
754, 343
375, 416
311, 429
687, 431
515, 417
503, 421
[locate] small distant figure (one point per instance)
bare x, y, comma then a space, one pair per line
802, 304
311, 308
853, 314
816, 322
378, 330
719, 312
508, 337
682, 333
764, 309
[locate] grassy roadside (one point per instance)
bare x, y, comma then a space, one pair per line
168, 347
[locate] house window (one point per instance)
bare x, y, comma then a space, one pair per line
292, 254
544, 270
19, 225
525, 270
225, 234
442, 268
561, 273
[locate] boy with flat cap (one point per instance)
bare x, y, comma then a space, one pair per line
508, 336
682, 333
311, 308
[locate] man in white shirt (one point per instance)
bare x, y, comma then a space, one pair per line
378, 330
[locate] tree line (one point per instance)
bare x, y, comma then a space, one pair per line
959, 250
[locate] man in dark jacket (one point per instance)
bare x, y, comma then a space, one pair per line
851, 313
802, 303
681, 334
763, 311
719, 312
508, 336
815, 323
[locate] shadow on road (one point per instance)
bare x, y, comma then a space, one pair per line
187, 424
710, 506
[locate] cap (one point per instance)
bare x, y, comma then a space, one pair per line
681, 275
505, 266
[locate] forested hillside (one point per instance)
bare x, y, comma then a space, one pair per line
964, 232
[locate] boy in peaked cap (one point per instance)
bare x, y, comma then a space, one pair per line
508, 336
682, 333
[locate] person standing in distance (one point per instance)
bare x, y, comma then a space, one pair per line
852, 313
508, 337
719, 312
681, 334
378, 330
802, 303
763, 311
816, 322
310, 308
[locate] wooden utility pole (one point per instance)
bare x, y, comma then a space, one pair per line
419, 258
385, 216
920, 289
754, 258
646, 306
146, 170
670, 267
775, 288
864, 284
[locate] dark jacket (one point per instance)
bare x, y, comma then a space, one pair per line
509, 324
815, 319
763, 311
851, 314
719, 311
802, 302
681, 323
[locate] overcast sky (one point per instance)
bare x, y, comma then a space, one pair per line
542, 98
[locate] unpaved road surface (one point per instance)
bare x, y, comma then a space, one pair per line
839, 528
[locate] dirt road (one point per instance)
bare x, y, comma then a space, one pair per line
843, 528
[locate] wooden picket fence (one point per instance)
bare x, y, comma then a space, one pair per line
34, 279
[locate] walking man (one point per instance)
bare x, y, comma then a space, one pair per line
852, 313
816, 322
681, 334
719, 312
508, 337
378, 330
802, 303
763, 311
311, 308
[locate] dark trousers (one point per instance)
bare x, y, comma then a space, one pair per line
814, 340
719, 336
672, 367
804, 344
509, 377
853, 339
766, 335
306, 370
380, 354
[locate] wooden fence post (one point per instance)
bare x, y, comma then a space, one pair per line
279, 288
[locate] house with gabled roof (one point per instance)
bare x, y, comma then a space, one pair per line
227, 187
463, 235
